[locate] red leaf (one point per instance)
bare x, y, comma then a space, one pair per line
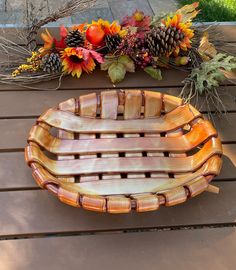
63, 31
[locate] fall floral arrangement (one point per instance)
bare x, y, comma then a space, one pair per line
138, 42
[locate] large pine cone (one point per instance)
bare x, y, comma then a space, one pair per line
51, 63
112, 42
162, 40
74, 39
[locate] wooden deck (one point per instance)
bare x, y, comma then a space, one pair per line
20, 12
38, 232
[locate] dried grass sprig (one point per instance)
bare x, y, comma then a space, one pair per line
25, 81
67, 10
13, 55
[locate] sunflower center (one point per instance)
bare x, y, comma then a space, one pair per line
76, 59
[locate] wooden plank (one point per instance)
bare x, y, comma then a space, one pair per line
52, 7
229, 162
12, 12
100, 80
226, 127
122, 8
14, 132
224, 33
2, 5
20, 177
29, 212
101, 9
28, 101
186, 249
163, 6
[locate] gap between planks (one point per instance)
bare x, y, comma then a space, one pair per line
112, 87
115, 231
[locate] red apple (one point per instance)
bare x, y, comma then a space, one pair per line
95, 35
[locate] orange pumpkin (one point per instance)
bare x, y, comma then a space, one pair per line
95, 35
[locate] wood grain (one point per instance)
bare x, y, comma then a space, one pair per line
27, 101
188, 249
100, 80
122, 8
26, 212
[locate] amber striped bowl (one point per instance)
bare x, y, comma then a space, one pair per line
124, 150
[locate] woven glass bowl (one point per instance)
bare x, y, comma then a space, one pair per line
123, 150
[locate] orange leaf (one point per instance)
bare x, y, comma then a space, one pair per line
188, 12
206, 49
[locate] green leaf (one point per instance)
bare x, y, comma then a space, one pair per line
153, 72
211, 73
116, 72
108, 61
127, 62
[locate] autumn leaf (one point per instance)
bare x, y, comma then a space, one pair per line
153, 72
116, 72
188, 12
211, 73
108, 61
206, 49
127, 62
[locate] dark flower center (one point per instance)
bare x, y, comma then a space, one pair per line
76, 59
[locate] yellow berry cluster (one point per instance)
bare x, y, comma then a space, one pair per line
33, 64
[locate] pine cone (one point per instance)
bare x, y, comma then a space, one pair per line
162, 40
112, 42
74, 39
51, 63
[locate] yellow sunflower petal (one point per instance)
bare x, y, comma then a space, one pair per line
88, 66
168, 21
176, 51
77, 71
174, 21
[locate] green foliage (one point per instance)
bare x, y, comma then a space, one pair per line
215, 10
211, 73
127, 62
117, 67
107, 62
153, 72
116, 72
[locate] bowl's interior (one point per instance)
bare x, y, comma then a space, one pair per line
127, 143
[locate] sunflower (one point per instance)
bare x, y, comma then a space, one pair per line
80, 27
178, 22
76, 60
109, 28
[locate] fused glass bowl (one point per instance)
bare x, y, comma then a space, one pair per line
123, 150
